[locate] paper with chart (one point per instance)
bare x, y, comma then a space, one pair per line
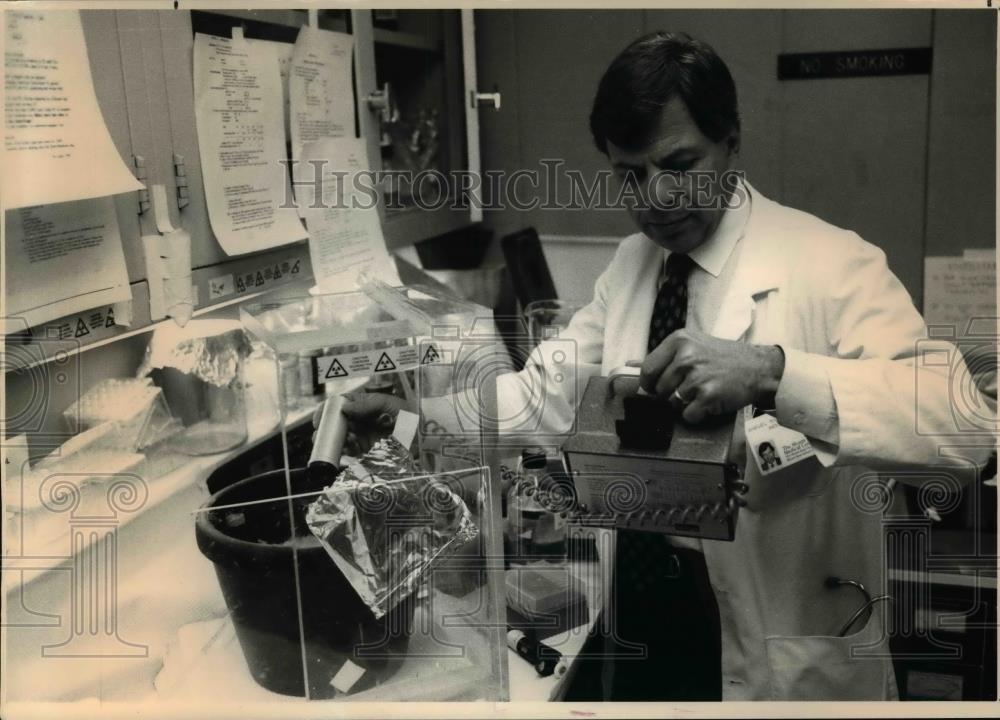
56, 145
345, 231
319, 87
62, 259
241, 137
958, 290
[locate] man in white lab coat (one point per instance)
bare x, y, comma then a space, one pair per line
783, 311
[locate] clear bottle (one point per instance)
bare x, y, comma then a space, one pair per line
549, 539
523, 509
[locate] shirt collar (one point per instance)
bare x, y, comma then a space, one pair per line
711, 255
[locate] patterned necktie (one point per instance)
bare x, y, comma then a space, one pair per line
643, 557
670, 308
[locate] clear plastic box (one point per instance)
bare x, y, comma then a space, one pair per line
387, 583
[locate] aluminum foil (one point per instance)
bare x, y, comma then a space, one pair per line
211, 350
385, 525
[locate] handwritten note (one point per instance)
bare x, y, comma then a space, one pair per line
56, 145
322, 100
238, 110
62, 259
345, 231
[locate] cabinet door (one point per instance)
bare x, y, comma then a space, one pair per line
100, 30
418, 54
176, 40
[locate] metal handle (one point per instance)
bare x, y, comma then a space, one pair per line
479, 99
380, 101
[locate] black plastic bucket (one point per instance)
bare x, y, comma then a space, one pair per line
251, 547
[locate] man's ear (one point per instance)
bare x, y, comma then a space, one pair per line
733, 143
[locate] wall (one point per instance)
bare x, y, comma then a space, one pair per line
907, 162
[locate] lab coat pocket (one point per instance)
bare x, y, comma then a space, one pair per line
803, 480
823, 667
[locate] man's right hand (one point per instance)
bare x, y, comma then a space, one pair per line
370, 417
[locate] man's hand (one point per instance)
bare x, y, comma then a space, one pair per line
370, 416
707, 376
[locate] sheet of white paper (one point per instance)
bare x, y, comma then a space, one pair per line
241, 140
959, 289
345, 231
319, 87
56, 145
979, 254
283, 54
62, 259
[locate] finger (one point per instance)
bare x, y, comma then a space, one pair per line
658, 360
368, 405
697, 411
672, 377
689, 387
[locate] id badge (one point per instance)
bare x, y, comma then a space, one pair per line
773, 446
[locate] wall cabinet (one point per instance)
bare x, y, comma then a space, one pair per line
142, 64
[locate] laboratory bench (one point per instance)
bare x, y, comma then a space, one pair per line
163, 632
168, 635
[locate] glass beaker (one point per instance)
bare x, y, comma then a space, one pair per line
201, 370
548, 318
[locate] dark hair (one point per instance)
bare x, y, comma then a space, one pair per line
647, 74
760, 448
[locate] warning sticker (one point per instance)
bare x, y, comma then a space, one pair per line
336, 370
431, 356
384, 363
368, 362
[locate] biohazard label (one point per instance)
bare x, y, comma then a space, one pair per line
384, 363
431, 356
81, 328
335, 370
367, 362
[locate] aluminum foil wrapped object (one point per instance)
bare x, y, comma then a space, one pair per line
211, 350
385, 525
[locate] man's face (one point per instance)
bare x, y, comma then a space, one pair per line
768, 455
678, 176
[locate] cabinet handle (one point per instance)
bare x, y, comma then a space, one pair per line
380, 101
480, 99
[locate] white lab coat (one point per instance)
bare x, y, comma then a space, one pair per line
847, 323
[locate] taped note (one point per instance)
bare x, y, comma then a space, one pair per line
62, 259
319, 87
345, 231
958, 290
282, 52
56, 146
241, 139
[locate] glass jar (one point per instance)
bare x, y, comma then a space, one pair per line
532, 531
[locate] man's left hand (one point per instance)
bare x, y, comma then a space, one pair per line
708, 377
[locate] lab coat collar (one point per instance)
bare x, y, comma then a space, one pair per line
760, 269
712, 255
